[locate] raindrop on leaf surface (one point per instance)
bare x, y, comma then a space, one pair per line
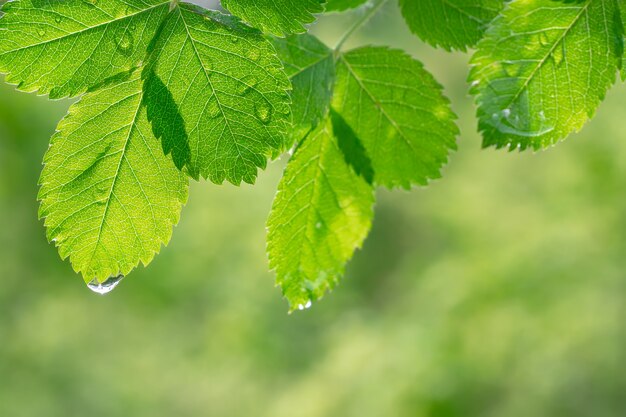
263, 111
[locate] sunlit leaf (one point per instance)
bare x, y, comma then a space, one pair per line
398, 111
62, 48
217, 95
109, 195
321, 214
543, 68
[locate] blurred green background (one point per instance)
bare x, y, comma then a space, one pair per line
497, 291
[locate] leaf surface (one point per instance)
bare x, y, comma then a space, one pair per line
451, 24
543, 68
310, 66
398, 111
62, 48
341, 5
109, 195
217, 95
321, 214
278, 17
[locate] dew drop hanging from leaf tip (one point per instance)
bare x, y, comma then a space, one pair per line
105, 287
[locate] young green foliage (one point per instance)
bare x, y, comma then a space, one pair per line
110, 201
451, 24
389, 124
174, 90
215, 92
62, 48
217, 95
543, 68
278, 17
310, 66
399, 113
321, 214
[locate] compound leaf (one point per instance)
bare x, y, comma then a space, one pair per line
543, 68
321, 214
62, 48
310, 66
217, 95
398, 111
109, 195
451, 24
278, 17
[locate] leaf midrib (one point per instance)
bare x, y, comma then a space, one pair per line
129, 16
541, 63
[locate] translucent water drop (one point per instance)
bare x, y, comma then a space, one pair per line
234, 39
510, 69
305, 306
247, 84
105, 287
263, 111
544, 39
509, 123
58, 19
213, 108
125, 42
318, 225
558, 55
274, 70
254, 54
41, 32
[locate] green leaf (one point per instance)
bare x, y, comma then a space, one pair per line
62, 48
398, 112
543, 68
321, 214
109, 195
450, 24
622, 7
342, 5
311, 68
217, 95
278, 17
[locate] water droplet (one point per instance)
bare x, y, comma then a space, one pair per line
125, 42
105, 287
254, 54
213, 108
58, 19
263, 111
247, 84
558, 55
318, 225
510, 69
305, 306
41, 32
234, 39
509, 123
274, 70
